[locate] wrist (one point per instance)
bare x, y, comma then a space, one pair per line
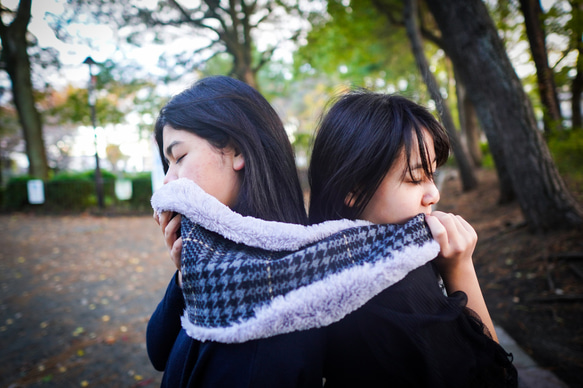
460, 269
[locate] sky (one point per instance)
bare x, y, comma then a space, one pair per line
72, 55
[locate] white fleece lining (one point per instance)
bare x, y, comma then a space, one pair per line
318, 304
321, 303
187, 198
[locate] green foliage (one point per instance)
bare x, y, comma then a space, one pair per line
356, 43
141, 192
567, 150
487, 159
75, 192
369, 48
68, 194
115, 88
75, 109
15, 195
218, 64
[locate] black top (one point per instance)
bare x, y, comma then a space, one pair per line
287, 360
412, 335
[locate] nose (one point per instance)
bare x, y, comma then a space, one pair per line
170, 176
431, 196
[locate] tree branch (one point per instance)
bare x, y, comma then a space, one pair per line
185, 15
3, 10
22, 18
208, 46
425, 33
565, 53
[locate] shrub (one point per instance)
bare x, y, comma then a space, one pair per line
75, 191
141, 192
16, 194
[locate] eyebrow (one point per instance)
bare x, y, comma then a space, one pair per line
171, 146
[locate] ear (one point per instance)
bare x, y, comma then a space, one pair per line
238, 160
350, 199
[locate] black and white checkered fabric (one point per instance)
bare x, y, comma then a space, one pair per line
269, 278
225, 282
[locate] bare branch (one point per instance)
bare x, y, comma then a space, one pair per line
185, 15
208, 46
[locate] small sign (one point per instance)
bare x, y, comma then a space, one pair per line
123, 189
36, 191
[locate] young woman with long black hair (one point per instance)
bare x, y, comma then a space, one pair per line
223, 135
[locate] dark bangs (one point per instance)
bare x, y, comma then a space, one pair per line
359, 139
424, 120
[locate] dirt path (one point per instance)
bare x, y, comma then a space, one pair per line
77, 293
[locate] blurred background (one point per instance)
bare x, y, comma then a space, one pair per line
82, 81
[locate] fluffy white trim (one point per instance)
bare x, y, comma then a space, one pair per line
321, 303
187, 198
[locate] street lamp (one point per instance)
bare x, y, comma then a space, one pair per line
92, 99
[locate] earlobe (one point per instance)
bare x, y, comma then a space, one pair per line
238, 161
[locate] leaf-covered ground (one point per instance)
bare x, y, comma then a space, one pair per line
533, 284
77, 292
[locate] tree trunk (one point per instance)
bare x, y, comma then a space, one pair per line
535, 31
467, 174
15, 54
505, 113
242, 69
469, 125
577, 84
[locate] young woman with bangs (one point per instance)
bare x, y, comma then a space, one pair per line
375, 157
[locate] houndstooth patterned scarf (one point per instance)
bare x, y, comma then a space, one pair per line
245, 278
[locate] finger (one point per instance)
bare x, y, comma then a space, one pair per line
456, 226
156, 217
467, 227
438, 230
176, 252
165, 217
174, 224
171, 231
461, 233
455, 239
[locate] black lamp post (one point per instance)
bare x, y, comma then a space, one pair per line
92, 99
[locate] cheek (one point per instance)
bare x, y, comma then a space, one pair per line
206, 171
193, 168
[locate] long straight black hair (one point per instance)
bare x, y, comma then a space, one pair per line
228, 112
358, 140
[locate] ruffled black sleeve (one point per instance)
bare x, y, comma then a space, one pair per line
413, 335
